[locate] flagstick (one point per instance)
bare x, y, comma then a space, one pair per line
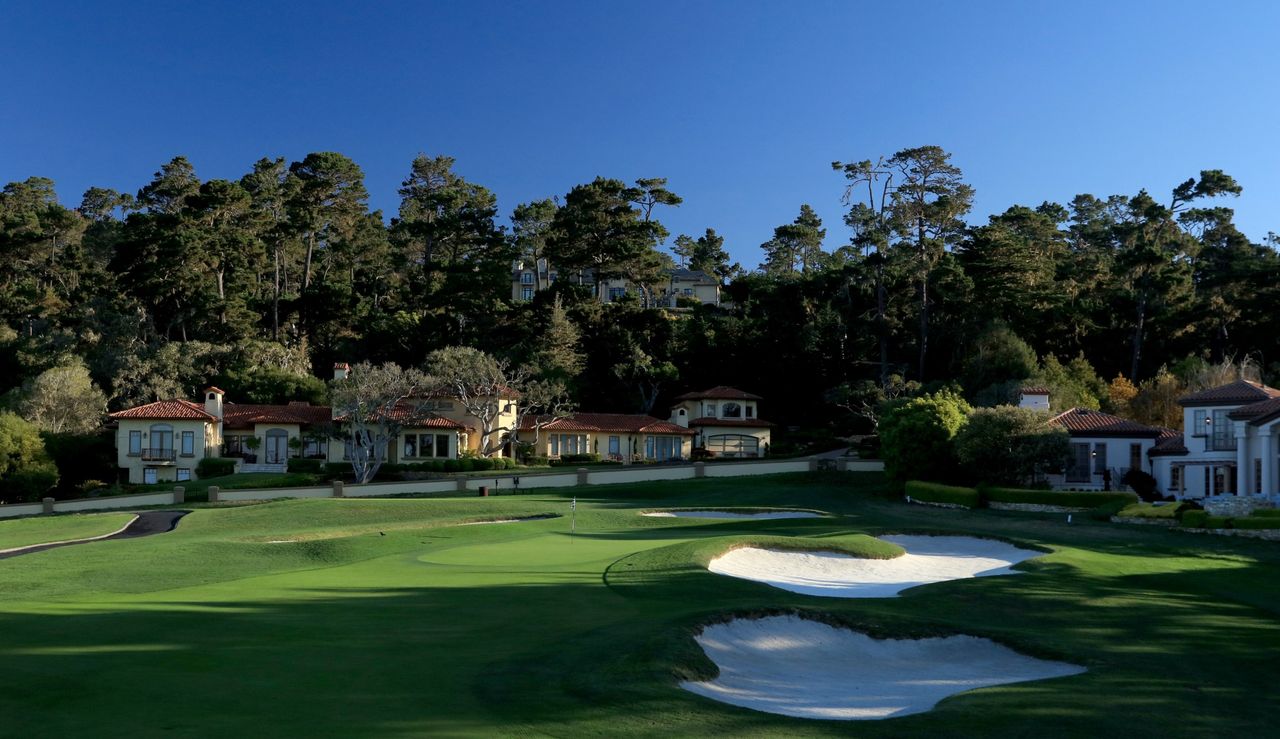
573, 516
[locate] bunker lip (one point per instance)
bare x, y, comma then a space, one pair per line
740, 514
144, 523
928, 559
805, 668
518, 519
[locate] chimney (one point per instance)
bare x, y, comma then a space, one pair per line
1035, 398
341, 370
213, 401
679, 416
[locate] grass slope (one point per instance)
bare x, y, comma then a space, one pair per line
21, 532
381, 619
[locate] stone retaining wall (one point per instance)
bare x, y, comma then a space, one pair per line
914, 501
1267, 534
1032, 507
1143, 521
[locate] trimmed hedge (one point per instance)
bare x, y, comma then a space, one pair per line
1065, 498
932, 492
311, 466
1266, 513
215, 467
1256, 522
575, 459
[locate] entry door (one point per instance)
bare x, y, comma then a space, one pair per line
277, 450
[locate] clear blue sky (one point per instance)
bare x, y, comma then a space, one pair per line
742, 105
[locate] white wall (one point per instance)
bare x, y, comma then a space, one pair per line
723, 469
271, 493
20, 509
118, 501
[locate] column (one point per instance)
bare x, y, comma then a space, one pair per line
1242, 459
1268, 460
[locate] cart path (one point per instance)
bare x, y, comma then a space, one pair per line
147, 523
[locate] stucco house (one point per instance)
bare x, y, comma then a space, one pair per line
1228, 444
1103, 448
165, 440
529, 276
617, 436
725, 420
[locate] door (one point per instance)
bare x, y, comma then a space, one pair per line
277, 447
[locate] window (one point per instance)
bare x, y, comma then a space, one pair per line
1099, 458
184, 475
311, 447
563, 444
526, 293
615, 447
1175, 479
411, 445
1135, 456
148, 475
444, 405
662, 448
616, 293
710, 410
751, 411
1223, 439
161, 436
135, 443
733, 445
1199, 423
188, 443
1078, 468
688, 291
233, 444
1257, 477
731, 410
442, 445
526, 278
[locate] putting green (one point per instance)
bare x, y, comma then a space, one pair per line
384, 619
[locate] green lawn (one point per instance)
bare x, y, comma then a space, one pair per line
197, 489
21, 532
378, 618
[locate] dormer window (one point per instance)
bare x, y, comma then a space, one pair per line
732, 410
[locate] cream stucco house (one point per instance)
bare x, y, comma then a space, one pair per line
617, 436
528, 277
1103, 448
726, 421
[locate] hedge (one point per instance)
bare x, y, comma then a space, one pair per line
1198, 519
215, 467
312, 466
572, 459
1266, 513
1064, 498
1256, 522
932, 492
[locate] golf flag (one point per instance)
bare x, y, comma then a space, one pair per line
573, 515
574, 505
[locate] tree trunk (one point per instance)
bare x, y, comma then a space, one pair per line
882, 325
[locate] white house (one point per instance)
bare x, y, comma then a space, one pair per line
726, 421
1103, 448
1227, 446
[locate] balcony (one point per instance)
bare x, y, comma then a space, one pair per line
159, 455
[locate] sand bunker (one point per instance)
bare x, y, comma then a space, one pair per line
730, 514
797, 667
522, 519
928, 559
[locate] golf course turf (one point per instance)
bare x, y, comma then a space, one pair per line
383, 618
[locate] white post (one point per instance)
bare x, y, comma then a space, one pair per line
1268, 460
1242, 459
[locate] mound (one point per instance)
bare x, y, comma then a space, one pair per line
731, 514
798, 667
929, 559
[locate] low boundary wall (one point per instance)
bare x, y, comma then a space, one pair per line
503, 483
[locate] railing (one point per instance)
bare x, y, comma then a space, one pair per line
159, 455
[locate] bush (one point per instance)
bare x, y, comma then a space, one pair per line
932, 492
535, 461
338, 471
1195, 519
1064, 498
916, 437
313, 466
869, 447
81, 458
1146, 510
1142, 483
1256, 522
453, 465
1110, 508
1266, 513
1007, 444
26, 470
215, 467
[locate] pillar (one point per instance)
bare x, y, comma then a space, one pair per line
179, 494
583, 475
462, 484
1268, 460
213, 493
699, 469
337, 489
1242, 459
813, 465
47, 505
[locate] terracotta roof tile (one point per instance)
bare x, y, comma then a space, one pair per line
1169, 443
746, 423
408, 414
1087, 422
243, 416
170, 410
719, 392
1257, 413
1238, 392
617, 422
1035, 390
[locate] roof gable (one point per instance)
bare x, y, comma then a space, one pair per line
1239, 392
1088, 422
617, 422
165, 410
719, 392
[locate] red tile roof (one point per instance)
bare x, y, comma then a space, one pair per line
616, 422
408, 414
1035, 390
166, 410
244, 416
1168, 444
1233, 393
746, 423
1087, 422
1257, 413
719, 392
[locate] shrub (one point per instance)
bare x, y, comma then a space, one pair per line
1106, 510
80, 458
1256, 522
313, 466
1142, 483
215, 467
932, 492
26, 470
1064, 498
1266, 513
452, 465
535, 461
916, 437
1007, 444
86, 487
1195, 519
1147, 510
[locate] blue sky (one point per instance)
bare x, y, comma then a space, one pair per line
742, 105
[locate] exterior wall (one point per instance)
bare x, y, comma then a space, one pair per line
206, 444
1117, 451
1252, 468
471, 440
762, 436
684, 412
1034, 401
630, 445
398, 449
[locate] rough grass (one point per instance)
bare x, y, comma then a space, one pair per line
21, 532
383, 619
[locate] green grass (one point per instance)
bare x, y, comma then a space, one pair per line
21, 532
378, 618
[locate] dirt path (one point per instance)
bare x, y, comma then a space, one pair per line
146, 524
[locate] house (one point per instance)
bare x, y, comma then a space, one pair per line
529, 276
164, 441
1103, 448
1227, 445
618, 436
725, 420
1034, 397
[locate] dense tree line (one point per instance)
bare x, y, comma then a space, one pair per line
260, 284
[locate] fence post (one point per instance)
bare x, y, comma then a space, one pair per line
813, 465
583, 474
699, 469
213, 493
179, 494
337, 488
462, 484
48, 505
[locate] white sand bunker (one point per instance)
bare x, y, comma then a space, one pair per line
731, 514
797, 667
928, 559
522, 519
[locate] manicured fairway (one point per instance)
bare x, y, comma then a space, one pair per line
364, 618
21, 532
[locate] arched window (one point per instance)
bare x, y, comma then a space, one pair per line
731, 410
680, 412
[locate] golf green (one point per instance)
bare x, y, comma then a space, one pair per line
383, 618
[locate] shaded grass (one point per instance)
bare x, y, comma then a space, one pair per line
21, 532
